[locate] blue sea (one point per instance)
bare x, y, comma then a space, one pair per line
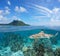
15, 41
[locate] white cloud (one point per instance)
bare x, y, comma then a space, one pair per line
6, 11
1, 11
9, 3
16, 18
54, 23
39, 17
4, 19
7, 8
56, 10
3, 15
20, 9
17, 9
43, 10
55, 20
55, 14
52, 15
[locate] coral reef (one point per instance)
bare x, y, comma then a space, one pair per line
15, 41
18, 53
13, 44
5, 52
57, 52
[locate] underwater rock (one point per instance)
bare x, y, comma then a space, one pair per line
40, 50
49, 51
45, 41
18, 53
57, 52
6, 52
13, 40
40, 45
10, 37
27, 47
15, 46
49, 54
45, 54
24, 49
29, 52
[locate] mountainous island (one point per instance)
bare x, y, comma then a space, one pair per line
16, 23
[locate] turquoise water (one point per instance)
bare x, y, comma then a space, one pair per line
15, 41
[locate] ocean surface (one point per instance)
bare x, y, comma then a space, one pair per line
15, 41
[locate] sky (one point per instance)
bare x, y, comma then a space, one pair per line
33, 12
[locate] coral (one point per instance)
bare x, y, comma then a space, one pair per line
18, 53
5, 51
57, 52
39, 49
13, 40
30, 52
24, 46
15, 46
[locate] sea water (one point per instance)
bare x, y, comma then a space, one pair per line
15, 41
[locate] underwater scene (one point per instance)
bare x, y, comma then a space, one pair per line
33, 41
29, 27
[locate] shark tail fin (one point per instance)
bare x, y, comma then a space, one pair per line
56, 34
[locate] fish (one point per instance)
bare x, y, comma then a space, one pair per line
42, 35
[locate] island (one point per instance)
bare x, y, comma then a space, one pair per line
16, 23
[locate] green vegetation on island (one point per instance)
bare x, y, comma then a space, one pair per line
16, 23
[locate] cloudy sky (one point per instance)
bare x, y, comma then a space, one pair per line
33, 12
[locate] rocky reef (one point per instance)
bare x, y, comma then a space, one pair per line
15, 45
